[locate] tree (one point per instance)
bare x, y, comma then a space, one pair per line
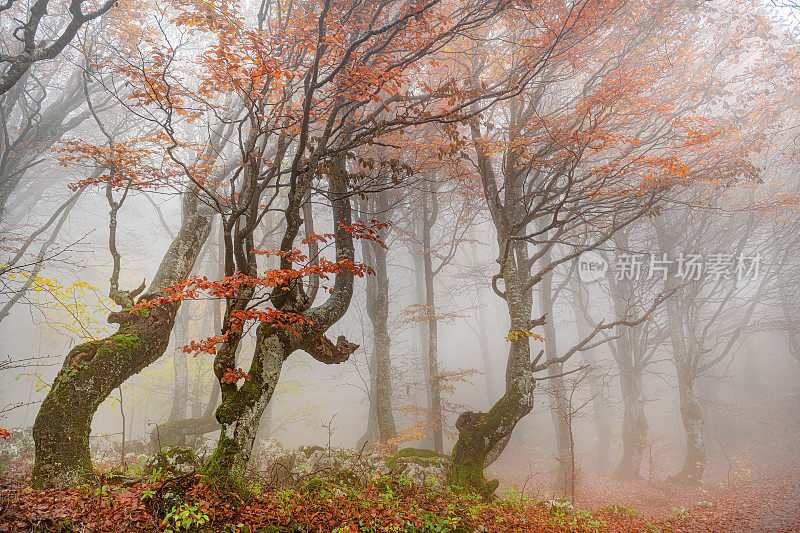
25, 22
92, 370
306, 88
565, 165
377, 305
707, 317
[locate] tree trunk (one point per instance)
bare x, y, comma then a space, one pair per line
634, 423
92, 370
685, 366
180, 366
176, 432
422, 329
378, 310
481, 436
559, 406
692, 417
602, 416
242, 407
241, 412
434, 387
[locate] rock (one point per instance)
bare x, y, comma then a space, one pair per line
345, 466
420, 466
172, 462
558, 506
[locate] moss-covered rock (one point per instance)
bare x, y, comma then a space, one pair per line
420, 465
419, 456
172, 462
313, 485
346, 477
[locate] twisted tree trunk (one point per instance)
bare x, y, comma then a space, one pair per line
242, 407
95, 368
481, 436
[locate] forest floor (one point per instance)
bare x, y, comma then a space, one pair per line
141, 505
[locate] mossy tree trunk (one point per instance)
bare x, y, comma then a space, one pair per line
240, 411
242, 406
92, 370
481, 436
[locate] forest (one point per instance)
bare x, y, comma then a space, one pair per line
339, 266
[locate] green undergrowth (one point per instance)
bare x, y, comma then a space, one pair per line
395, 504
338, 504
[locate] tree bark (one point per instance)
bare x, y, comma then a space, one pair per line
240, 413
634, 423
180, 366
481, 436
377, 295
92, 370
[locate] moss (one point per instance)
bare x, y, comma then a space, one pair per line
248, 394
219, 468
174, 461
126, 342
420, 456
472, 447
313, 486
468, 474
346, 477
120, 346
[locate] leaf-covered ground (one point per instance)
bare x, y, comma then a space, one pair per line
183, 503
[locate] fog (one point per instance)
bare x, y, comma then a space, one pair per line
558, 241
